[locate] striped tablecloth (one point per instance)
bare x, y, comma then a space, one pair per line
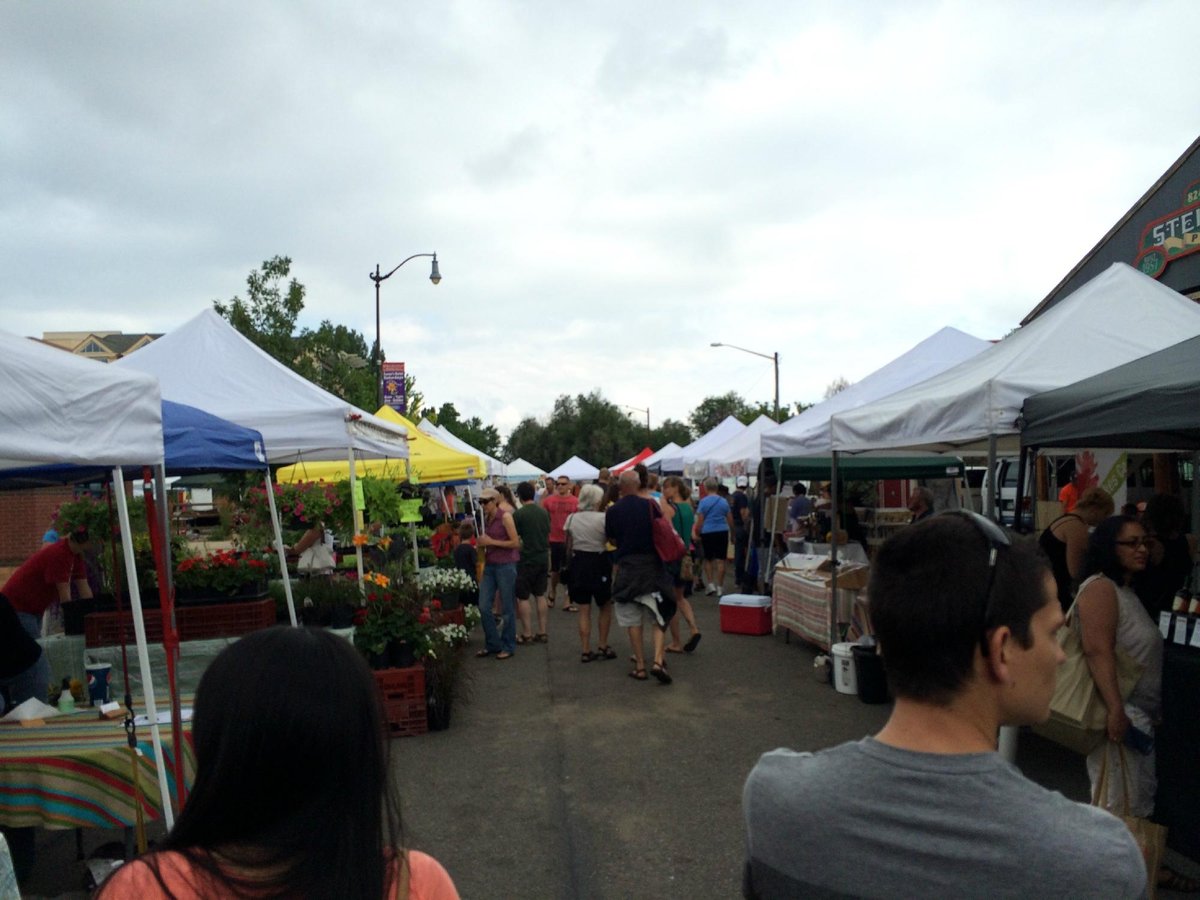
76, 771
805, 607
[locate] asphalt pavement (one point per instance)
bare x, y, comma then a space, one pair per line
560, 779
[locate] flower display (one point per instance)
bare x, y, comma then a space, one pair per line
224, 572
439, 581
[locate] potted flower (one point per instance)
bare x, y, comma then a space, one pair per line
448, 586
389, 629
223, 575
445, 673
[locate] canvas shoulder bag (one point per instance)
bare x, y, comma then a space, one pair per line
1078, 717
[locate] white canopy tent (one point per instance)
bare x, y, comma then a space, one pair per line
808, 434
576, 469
671, 450
1118, 316
740, 455
206, 363
697, 449
522, 470
495, 468
58, 408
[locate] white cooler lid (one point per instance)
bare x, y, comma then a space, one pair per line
745, 600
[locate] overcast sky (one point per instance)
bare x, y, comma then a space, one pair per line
609, 186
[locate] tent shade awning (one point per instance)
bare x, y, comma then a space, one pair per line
1150, 403
869, 467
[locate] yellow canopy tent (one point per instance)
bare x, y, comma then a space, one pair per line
431, 461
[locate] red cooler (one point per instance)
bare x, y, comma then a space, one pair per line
745, 614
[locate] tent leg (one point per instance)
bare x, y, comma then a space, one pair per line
283, 568
833, 549
139, 630
989, 501
358, 518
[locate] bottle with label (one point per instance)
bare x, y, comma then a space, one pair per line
66, 702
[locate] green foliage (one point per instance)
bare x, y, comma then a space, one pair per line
332, 356
588, 426
382, 499
268, 314
669, 431
482, 437
714, 410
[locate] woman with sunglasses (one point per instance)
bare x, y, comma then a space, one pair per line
502, 550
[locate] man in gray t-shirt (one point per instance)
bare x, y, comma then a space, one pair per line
967, 626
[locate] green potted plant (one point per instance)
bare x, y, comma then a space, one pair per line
449, 586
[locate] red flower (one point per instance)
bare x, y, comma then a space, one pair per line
372, 596
360, 615
437, 604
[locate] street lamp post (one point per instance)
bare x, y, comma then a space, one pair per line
435, 276
647, 412
771, 356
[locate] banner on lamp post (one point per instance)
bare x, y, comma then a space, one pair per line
393, 386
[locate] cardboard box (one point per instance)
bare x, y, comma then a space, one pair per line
851, 576
745, 614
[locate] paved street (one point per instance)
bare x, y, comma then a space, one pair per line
566, 780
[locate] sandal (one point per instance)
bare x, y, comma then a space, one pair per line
638, 674
588, 656
606, 653
504, 654
659, 671
541, 638
1170, 880
524, 639
480, 654
570, 607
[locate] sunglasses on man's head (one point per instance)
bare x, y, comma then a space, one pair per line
996, 537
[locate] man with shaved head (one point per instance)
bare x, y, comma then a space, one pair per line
642, 589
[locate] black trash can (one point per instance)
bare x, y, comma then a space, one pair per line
871, 679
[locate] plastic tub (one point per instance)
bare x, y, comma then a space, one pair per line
844, 676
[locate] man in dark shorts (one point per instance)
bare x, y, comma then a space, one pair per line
533, 528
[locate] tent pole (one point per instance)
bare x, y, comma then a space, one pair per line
358, 519
156, 511
139, 631
1019, 500
833, 548
283, 567
989, 501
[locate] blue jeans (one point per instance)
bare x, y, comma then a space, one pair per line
502, 577
34, 681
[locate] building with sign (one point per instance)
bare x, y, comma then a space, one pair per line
1160, 236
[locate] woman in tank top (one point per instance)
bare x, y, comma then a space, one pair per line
1065, 540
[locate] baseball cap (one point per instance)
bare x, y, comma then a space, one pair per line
742, 481
489, 494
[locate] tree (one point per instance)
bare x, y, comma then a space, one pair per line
587, 425
268, 315
670, 431
836, 386
332, 356
714, 410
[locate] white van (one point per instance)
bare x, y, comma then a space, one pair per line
1007, 470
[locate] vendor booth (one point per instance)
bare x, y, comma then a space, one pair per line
521, 470
1149, 403
495, 468
576, 469
675, 463
740, 455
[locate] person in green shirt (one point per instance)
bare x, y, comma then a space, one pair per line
533, 571
677, 506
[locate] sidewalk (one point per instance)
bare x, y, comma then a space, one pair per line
569, 780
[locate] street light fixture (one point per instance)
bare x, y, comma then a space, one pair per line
435, 276
771, 356
647, 412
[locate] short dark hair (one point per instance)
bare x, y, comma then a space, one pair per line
798, 489
1101, 556
291, 768
643, 475
525, 492
929, 598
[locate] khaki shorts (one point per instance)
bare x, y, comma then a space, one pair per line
631, 615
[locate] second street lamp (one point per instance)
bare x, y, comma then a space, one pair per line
771, 356
435, 276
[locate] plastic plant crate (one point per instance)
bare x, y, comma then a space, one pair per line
403, 695
195, 623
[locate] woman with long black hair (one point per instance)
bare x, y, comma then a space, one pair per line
293, 796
